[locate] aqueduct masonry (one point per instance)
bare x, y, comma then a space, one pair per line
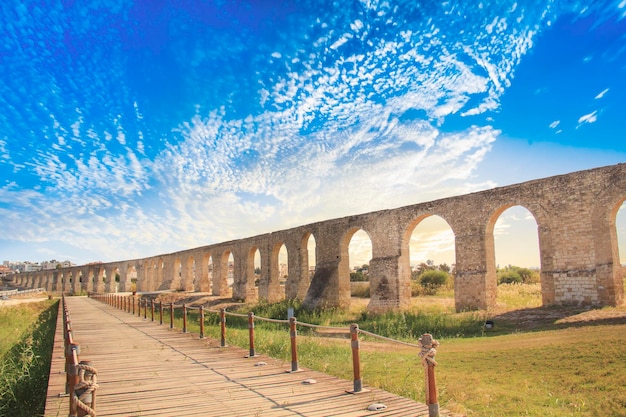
575, 215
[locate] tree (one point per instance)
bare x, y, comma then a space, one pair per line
509, 277
358, 276
432, 279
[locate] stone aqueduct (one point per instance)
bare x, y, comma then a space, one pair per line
575, 215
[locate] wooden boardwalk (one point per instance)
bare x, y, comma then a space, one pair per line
145, 369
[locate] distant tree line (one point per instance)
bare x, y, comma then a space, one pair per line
512, 274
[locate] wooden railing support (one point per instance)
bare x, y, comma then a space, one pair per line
201, 322
427, 354
293, 332
223, 327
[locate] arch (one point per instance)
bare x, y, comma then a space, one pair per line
620, 226
355, 249
256, 266
279, 272
130, 280
429, 243
496, 225
617, 239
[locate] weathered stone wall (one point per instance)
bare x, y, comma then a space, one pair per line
575, 215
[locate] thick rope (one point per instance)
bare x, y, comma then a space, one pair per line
89, 387
271, 320
388, 339
316, 326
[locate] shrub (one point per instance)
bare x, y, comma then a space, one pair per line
432, 280
358, 276
360, 289
509, 277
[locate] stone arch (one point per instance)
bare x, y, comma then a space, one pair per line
620, 226
256, 266
410, 258
527, 238
276, 271
129, 281
377, 289
547, 286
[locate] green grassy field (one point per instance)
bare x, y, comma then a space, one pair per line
26, 338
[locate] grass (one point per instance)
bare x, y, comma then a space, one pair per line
549, 367
26, 341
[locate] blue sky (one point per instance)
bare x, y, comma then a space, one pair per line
133, 128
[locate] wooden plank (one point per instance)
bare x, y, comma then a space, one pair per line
145, 369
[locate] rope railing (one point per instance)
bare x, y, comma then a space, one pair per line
427, 343
81, 377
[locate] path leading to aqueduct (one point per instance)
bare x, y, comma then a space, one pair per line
149, 370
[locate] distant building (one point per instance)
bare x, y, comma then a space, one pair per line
5, 270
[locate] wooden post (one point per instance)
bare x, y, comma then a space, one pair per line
356, 359
145, 310
73, 378
133, 299
427, 354
160, 312
251, 333
201, 322
171, 315
293, 332
223, 327
152, 310
184, 318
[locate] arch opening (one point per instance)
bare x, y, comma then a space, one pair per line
256, 265
299, 285
354, 278
283, 267
620, 225
432, 259
516, 262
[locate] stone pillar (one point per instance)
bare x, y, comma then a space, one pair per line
294, 269
189, 273
326, 290
220, 274
202, 272
274, 291
475, 283
609, 275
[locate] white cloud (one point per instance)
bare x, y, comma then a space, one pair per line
588, 118
602, 93
554, 124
